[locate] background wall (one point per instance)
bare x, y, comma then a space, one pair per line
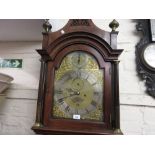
17, 112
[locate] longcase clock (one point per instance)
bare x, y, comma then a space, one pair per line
78, 89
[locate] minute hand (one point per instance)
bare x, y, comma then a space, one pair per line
75, 93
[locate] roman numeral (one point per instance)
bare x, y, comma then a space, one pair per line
78, 74
86, 110
96, 93
61, 101
94, 103
58, 92
76, 111
77, 104
69, 76
87, 77
94, 84
67, 109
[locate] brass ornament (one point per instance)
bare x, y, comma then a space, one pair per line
118, 132
114, 25
46, 26
37, 125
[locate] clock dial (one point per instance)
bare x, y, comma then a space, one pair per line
79, 59
78, 88
149, 55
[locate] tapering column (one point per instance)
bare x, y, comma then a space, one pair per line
39, 112
115, 79
116, 98
43, 75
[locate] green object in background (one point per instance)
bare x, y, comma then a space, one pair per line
11, 63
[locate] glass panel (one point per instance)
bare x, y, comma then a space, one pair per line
78, 88
149, 55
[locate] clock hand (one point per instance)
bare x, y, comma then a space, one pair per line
70, 90
75, 93
78, 73
61, 100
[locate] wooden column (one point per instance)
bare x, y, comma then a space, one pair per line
43, 75
116, 98
42, 87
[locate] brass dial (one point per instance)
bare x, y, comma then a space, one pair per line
79, 88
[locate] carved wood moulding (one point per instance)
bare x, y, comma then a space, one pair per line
78, 22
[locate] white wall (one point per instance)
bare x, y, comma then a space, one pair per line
17, 113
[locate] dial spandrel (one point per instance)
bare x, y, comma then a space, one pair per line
78, 88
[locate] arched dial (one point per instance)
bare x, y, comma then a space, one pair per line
79, 90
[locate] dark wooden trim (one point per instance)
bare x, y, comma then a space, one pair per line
41, 94
49, 131
116, 95
85, 39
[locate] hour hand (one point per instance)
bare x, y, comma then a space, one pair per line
72, 94
70, 90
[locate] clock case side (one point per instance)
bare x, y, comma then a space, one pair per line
92, 35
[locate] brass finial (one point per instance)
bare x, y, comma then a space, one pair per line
114, 25
46, 26
118, 132
37, 125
